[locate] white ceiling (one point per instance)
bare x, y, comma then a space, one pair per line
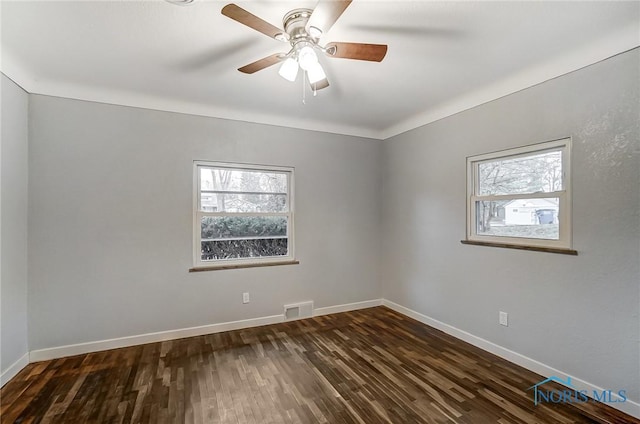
443, 57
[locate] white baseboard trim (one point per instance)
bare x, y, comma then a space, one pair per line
346, 307
14, 369
161, 336
628, 407
99, 345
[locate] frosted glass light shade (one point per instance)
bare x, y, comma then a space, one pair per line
289, 69
307, 57
315, 73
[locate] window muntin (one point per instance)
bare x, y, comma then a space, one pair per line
521, 196
243, 214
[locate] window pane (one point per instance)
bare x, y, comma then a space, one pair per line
248, 248
225, 179
523, 218
540, 172
236, 202
226, 227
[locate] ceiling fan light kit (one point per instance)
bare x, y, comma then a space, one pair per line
315, 73
302, 30
307, 57
289, 69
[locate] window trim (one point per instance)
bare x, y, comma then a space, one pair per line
198, 263
564, 241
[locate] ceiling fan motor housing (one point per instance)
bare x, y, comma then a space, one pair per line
294, 24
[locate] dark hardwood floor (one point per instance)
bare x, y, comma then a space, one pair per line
368, 366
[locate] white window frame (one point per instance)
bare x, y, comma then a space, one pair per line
564, 196
198, 214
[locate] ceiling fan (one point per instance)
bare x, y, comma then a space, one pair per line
302, 30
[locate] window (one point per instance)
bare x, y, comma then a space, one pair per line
521, 196
243, 214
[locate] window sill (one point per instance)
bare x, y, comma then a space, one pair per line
516, 246
238, 266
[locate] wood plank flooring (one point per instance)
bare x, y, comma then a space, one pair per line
368, 366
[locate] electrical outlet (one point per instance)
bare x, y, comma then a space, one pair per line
245, 297
504, 319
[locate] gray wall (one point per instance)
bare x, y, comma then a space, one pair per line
13, 278
577, 314
111, 221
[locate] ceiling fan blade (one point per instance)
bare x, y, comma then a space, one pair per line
259, 65
358, 51
326, 14
323, 83
252, 21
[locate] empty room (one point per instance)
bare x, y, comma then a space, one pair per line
325, 211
